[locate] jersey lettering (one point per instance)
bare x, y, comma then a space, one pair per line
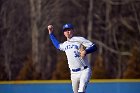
71, 46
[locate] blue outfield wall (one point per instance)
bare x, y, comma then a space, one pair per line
63, 86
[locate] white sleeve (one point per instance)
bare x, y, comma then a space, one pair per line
61, 46
86, 42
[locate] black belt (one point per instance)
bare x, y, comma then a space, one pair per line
79, 69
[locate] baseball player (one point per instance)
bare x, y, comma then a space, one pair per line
76, 49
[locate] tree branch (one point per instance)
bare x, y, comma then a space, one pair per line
135, 14
76, 3
122, 2
112, 50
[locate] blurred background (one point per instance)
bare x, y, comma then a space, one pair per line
26, 52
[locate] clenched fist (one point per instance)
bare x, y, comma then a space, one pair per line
50, 29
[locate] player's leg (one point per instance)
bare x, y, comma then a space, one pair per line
75, 78
84, 79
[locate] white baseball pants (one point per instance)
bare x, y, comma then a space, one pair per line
80, 80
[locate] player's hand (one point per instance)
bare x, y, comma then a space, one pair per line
50, 29
82, 53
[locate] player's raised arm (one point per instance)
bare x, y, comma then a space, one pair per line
52, 37
50, 29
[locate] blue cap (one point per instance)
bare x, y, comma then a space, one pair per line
68, 26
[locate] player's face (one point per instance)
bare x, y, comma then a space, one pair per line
68, 33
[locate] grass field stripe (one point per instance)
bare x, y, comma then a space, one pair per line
113, 80
67, 81
34, 81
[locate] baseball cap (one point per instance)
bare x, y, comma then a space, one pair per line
67, 26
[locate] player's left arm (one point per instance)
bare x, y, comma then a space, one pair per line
90, 47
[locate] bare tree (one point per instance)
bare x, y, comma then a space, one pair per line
6, 45
27, 53
90, 23
35, 17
